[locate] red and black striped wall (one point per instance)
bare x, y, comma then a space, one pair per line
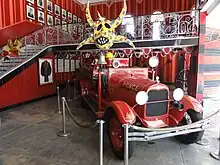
211, 68
200, 69
197, 80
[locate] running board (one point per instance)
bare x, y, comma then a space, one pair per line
92, 103
149, 134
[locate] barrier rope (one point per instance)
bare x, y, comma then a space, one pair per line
79, 124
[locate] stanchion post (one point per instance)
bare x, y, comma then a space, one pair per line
101, 134
74, 89
58, 99
126, 126
68, 91
216, 155
63, 132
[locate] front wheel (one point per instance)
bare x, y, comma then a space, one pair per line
116, 138
190, 116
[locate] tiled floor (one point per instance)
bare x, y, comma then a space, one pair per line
28, 137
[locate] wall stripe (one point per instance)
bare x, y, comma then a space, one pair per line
212, 60
200, 62
211, 77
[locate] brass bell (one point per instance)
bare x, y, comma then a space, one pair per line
102, 59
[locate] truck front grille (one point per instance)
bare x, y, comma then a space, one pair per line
157, 109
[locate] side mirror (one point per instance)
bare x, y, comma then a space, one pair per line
141, 98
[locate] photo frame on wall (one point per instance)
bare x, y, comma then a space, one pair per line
57, 21
49, 6
57, 10
70, 17
64, 26
74, 19
30, 12
40, 15
30, 1
64, 13
79, 20
40, 3
49, 20
45, 66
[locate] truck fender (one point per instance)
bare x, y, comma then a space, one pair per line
124, 113
188, 103
191, 103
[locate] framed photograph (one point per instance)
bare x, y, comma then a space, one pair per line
70, 17
45, 66
74, 19
40, 15
79, 20
64, 26
63, 13
40, 3
57, 21
49, 6
30, 1
30, 12
57, 10
49, 20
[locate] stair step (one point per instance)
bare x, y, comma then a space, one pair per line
8, 65
2, 72
14, 61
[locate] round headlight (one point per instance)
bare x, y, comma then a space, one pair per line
154, 61
116, 64
178, 94
141, 98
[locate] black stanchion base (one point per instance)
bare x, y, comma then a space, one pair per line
62, 134
215, 155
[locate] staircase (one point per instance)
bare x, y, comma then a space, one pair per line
8, 63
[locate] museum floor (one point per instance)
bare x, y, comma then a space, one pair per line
28, 136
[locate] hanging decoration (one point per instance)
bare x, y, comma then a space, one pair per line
104, 30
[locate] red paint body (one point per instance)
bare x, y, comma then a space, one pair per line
25, 87
123, 85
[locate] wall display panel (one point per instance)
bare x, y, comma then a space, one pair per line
60, 65
74, 65
49, 20
74, 19
40, 16
57, 21
57, 10
67, 65
49, 6
45, 70
30, 12
63, 13
40, 3
30, 1
79, 20
70, 17
64, 26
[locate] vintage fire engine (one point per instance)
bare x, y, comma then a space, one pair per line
128, 95
121, 94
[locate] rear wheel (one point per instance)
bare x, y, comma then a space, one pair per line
190, 116
116, 138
